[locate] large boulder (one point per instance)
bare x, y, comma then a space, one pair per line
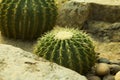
73, 14
107, 13
17, 64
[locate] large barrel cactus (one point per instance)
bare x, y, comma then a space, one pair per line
70, 48
27, 19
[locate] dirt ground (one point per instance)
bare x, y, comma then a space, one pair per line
25, 45
109, 50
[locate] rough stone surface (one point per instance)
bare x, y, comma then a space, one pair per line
16, 64
104, 30
102, 20
102, 69
106, 2
114, 68
107, 13
117, 76
73, 14
117, 62
93, 78
103, 60
101, 12
108, 77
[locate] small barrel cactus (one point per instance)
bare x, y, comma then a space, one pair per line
27, 19
70, 48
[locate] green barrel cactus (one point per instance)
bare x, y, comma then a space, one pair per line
70, 48
27, 19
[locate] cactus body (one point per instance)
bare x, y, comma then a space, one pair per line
27, 19
67, 47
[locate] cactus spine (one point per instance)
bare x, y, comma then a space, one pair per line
27, 19
67, 47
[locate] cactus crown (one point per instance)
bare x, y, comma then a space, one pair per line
27, 19
70, 48
62, 35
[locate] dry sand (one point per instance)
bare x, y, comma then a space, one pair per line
25, 45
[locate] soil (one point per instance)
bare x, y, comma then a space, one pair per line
109, 50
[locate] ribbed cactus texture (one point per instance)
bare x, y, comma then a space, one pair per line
70, 48
27, 19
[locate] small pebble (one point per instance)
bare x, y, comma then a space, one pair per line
114, 69
102, 69
93, 77
117, 76
103, 60
109, 77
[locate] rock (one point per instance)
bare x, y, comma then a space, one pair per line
103, 60
104, 31
73, 14
0, 2
106, 13
102, 12
16, 64
108, 77
114, 69
114, 32
103, 21
117, 76
102, 69
93, 78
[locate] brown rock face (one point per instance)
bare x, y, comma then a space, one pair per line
104, 30
102, 20
107, 13
73, 14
